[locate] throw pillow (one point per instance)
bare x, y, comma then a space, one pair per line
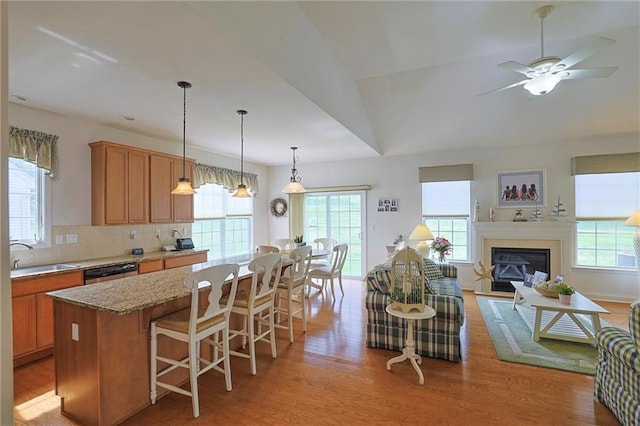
431, 270
428, 288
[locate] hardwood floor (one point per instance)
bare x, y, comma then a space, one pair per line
329, 376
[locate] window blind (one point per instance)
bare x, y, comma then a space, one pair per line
607, 196
446, 198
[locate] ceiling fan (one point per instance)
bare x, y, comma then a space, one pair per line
544, 73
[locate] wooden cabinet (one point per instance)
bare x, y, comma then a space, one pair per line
119, 185
150, 266
33, 314
165, 207
133, 185
188, 259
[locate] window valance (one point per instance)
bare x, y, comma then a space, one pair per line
35, 147
229, 179
454, 172
606, 163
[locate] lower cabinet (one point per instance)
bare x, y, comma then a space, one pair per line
33, 314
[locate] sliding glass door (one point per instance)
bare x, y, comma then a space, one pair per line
338, 215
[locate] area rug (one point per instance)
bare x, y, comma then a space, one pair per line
513, 343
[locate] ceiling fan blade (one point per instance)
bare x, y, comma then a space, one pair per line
587, 73
584, 53
517, 67
520, 83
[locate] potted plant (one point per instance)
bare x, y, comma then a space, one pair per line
564, 293
298, 240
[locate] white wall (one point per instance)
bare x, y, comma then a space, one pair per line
71, 193
397, 177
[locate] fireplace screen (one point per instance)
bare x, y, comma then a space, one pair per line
512, 264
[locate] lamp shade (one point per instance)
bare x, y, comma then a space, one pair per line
183, 188
293, 188
634, 220
241, 192
543, 84
421, 232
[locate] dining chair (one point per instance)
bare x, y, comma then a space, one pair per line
323, 244
284, 244
256, 305
267, 249
288, 286
325, 273
193, 325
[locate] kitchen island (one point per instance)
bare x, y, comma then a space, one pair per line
101, 341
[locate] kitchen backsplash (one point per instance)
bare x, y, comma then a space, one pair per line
76, 243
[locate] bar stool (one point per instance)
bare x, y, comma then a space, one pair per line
197, 324
291, 284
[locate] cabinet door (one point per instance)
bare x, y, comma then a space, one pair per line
44, 319
24, 324
138, 187
161, 184
116, 177
182, 204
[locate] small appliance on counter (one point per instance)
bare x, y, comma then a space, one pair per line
184, 244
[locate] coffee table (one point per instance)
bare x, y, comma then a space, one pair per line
409, 350
577, 322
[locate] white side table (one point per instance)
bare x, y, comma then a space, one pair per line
409, 350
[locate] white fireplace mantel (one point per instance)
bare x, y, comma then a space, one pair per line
560, 233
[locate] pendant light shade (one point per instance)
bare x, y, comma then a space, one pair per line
241, 191
184, 185
294, 186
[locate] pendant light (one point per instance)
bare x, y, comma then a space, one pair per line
184, 185
294, 186
241, 191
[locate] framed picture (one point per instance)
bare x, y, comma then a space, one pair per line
521, 189
388, 205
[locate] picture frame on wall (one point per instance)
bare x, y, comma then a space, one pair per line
522, 188
388, 205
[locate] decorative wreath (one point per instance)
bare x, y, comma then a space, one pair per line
278, 207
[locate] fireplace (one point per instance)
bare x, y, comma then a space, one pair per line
555, 237
513, 263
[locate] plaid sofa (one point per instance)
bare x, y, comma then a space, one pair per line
437, 337
618, 369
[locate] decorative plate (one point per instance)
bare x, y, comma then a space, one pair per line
278, 207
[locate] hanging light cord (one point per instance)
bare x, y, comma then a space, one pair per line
294, 171
242, 113
184, 127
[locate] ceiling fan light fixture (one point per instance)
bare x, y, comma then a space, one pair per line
543, 84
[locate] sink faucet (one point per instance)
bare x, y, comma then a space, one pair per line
18, 243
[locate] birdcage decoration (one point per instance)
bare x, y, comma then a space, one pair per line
407, 281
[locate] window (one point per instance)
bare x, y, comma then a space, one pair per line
445, 210
603, 202
28, 191
222, 224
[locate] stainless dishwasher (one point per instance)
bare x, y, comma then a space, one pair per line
110, 272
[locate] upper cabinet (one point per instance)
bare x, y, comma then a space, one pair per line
132, 185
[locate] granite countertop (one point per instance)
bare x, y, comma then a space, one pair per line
16, 275
125, 295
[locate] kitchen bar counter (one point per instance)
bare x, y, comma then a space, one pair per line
102, 338
105, 261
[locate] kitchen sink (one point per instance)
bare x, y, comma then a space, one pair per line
41, 269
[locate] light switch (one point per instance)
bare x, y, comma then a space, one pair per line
75, 335
59, 239
72, 238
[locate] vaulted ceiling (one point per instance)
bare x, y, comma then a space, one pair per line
340, 80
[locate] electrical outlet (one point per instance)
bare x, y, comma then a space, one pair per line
59, 239
132, 234
75, 333
157, 233
184, 232
174, 233
72, 238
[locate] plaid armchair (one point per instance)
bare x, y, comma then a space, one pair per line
438, 337
618, 369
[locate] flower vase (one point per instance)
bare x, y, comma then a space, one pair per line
441, 258
565, 299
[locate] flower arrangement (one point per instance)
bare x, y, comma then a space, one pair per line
442, 246
564, 289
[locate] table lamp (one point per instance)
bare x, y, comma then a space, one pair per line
422, 233
634, 220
